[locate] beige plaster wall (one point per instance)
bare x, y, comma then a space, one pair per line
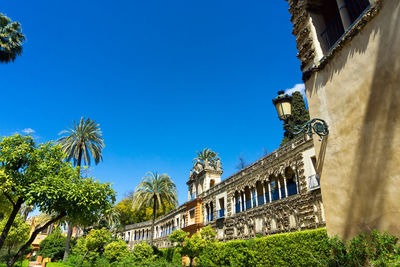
358, 94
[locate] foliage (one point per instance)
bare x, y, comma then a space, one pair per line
18, 234
194, 246
11, 39
83, 140
37, 175
377, 249
155, 190
93, 245
206, 155
116, 250
178, 236
306, 248
53, 245
299, 116
129, 215
142, 253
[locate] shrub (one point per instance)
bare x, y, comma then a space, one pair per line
142, 253
306, 248
376, 249
53, 246
116, 251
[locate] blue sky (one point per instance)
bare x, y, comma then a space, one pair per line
163, 78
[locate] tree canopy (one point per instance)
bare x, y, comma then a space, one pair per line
38, 175
11, 39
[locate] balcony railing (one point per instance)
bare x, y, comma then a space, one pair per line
260, 200
248, 204
220, 213
237, 207
313, 181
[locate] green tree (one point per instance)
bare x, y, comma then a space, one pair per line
93, 245
11, 39
53, 245
155, 190
299, 116
18, 234
38, 175
129, 215
83, 141
178, 236
206, 156
142, 253
116, 250
193, 246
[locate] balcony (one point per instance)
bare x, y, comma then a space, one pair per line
237, 207
220, 213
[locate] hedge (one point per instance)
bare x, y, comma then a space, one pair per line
305, 248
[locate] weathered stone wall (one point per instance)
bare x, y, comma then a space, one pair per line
355, 88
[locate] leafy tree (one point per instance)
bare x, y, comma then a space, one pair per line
193, 246
206, 156
129, 215
142, 253
116, 250
155, 189
18, 234
92, 246
53, 245
83, 141
38, 175
178, 236
299, 116
11, 39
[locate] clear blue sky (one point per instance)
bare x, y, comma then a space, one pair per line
163, 78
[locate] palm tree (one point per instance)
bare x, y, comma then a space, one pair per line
83, 141
11, 39
155, 190
206, 155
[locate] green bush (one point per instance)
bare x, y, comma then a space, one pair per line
142, 253
373, 249
116, 250
306, 248
53, 246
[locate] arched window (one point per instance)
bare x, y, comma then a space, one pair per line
291, 185
274, 189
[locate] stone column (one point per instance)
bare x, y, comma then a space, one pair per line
279, 188
251, 197
269, 192
263, 192
256, 193
284, 182
344, 14
244, 200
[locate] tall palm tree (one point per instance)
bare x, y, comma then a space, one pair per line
83, 141
206, 155
155, 190
11, 39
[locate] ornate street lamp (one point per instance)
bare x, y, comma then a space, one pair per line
283, 105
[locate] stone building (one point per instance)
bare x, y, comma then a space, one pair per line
350, 59
277, 193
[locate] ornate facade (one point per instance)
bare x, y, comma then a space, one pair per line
278, 193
